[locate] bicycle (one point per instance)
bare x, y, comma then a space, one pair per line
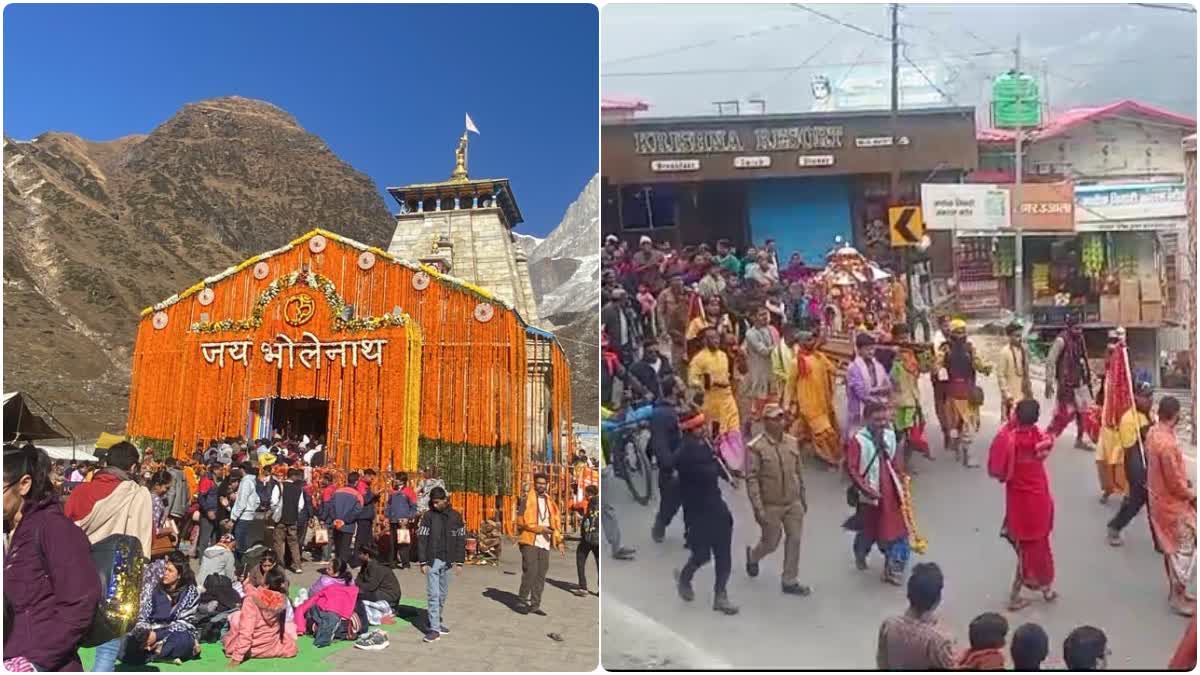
625, 437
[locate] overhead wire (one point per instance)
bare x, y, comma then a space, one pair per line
839, 22
704, 43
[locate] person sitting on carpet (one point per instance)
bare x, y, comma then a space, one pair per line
166, 628
328, 612
378, 589
260, 630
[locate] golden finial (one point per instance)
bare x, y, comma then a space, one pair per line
460, 161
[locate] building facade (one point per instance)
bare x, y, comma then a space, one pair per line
1116, 254
803, 180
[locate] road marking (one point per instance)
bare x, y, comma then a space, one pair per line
684, 655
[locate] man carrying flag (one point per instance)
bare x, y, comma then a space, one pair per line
1120, 423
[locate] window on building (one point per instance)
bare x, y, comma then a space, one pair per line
647, 207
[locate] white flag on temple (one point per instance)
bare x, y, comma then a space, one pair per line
471, 125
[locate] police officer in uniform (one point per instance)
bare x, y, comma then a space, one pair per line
775, 483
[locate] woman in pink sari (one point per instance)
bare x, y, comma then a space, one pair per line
1017, 458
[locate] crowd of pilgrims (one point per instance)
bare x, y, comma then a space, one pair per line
210, 540
706, 345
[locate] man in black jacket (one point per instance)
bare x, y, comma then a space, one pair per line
441, 543
376, 583
706, 518
664, 439
652, 370
294, 510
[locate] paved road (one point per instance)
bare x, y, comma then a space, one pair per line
1122, 590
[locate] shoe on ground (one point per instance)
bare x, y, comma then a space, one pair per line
797, 589
538, 611
751, 565
624, 553
1114, 537
431, 636
372, 642
296, 570
860, 563
657, 535
684, 588
721, 604
443, 630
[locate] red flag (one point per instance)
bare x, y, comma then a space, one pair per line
1118, 388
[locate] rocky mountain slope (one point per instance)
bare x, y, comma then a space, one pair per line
564, 270
96, 231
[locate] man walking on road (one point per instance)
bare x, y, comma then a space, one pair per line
707, 521
775, 483
1172, 506
961, 365
1069, 375
1012, 372
539, 529
1131, 435
664, 439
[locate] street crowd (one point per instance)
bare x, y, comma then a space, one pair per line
734, 361
196, 551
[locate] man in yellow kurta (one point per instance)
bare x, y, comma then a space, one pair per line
710, 371
812, 400
1012, 372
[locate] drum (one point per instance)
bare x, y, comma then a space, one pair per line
471, 545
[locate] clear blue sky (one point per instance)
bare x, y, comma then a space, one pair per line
386, 86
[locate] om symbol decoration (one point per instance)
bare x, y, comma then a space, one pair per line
299, 309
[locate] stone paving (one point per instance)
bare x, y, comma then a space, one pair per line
487, 635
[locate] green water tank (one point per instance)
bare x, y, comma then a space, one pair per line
1016, 101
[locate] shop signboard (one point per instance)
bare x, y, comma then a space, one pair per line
1136, 225
965, 207
979, 295
1139, 201
756, 162
1043, 207
815, 160
673, 165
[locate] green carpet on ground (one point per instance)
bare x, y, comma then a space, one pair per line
308, 658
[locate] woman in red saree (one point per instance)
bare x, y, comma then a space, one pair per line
1017, 459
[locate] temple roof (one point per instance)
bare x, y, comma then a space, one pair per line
467, 188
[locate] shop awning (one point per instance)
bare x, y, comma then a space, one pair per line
65, 454
107, 440
21, 423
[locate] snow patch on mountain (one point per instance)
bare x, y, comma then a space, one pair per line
565, 267
527, 242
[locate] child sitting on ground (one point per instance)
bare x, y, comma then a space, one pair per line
988, 633
260, 629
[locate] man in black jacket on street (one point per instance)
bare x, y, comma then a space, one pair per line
664, 439
441, 543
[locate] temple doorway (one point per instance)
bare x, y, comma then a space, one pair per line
290, 417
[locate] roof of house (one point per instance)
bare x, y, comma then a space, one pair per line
1075, 117
630, 103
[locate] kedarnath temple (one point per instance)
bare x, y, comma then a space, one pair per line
421, 355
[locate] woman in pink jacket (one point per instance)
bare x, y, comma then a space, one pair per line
260, 630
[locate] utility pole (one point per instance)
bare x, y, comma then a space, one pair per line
1019, 251
894, 187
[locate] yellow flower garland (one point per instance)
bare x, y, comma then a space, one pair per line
918, 543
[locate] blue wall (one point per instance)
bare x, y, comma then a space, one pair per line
801, 214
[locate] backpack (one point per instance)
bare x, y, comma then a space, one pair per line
120, 564
589, 528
